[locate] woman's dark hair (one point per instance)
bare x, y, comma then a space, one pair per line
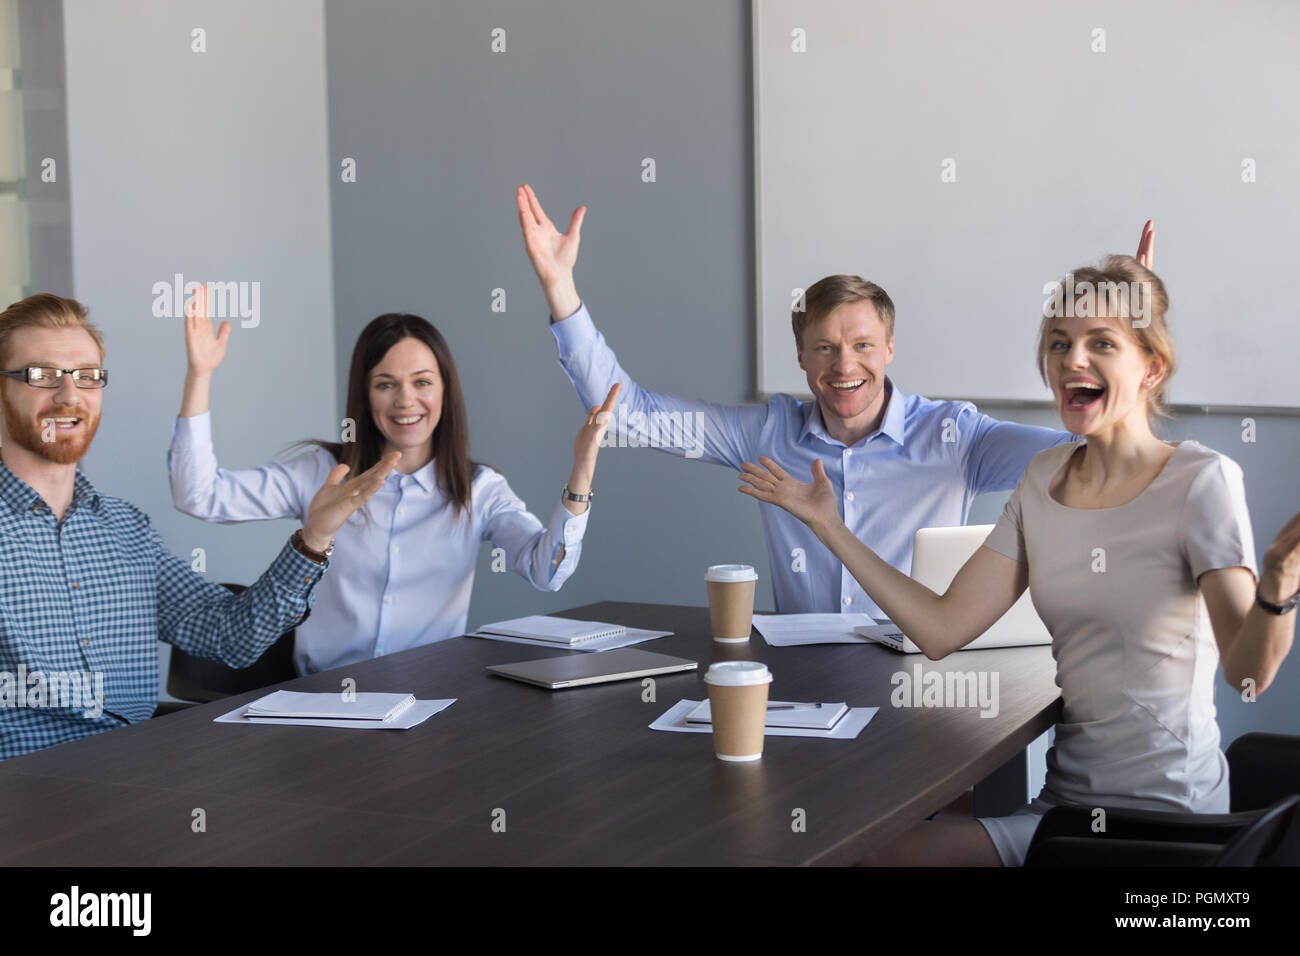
450, 437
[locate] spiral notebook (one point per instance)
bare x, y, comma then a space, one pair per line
557, 630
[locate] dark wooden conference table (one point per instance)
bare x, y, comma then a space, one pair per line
575, 776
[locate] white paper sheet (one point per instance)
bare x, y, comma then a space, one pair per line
417, 713
849, 727
633, 636
786, 630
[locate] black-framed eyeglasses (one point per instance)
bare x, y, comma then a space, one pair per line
40, 377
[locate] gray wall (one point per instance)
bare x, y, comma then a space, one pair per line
212, 165
443, 130
45, 134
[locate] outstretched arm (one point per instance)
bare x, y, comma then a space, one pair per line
691, 429
200, 487
983, 590
547, 555
206, 620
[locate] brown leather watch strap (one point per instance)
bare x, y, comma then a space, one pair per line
300, 545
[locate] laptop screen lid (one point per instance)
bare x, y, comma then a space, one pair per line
939, 553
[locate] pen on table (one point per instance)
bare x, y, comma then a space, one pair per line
793, 706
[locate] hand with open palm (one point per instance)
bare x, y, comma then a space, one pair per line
814, 504
552, 253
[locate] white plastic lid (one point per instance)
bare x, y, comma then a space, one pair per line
738, 673
731, 572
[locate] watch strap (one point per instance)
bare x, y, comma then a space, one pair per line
300, 545
1283, 608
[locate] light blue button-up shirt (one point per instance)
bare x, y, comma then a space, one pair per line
403, 568
921, 469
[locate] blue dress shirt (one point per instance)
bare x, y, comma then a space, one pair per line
88, 599
921, 469
403, 566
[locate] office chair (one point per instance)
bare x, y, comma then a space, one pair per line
197, 680
1263, 828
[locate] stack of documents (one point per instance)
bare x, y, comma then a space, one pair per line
785, 630
357, 711
556, 630
831, 721
544, 631
781, 714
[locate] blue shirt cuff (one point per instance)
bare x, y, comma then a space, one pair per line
575, 332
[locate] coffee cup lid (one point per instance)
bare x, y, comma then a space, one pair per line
731, 572
738, 673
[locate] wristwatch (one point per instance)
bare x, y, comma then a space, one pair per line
300, 545
1283, 608
570, 496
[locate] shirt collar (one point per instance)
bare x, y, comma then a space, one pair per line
22, 497
426, 477
892, 426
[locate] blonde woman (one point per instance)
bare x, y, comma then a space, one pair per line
1136, 647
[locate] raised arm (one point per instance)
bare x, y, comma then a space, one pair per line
200, 487
721, 434
1253, 642
547, 555
983, 590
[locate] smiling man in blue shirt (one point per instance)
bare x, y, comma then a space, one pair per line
87, 587
898, 462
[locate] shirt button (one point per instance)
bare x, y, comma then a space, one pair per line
37, 506
847, 600
848, 451
401, 511
394, 549
306, 580
388, 600
85, 640
849, 495
75, 584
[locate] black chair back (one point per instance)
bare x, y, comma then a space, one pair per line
1258, 844
1263, 769
200, 680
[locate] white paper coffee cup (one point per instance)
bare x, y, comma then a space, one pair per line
738, 708
731, 601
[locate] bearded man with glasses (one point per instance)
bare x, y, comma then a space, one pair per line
87, 586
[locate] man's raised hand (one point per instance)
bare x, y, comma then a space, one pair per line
552, 253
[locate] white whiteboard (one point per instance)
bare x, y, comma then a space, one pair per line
1061, 153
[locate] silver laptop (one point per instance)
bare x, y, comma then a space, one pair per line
937, 556
574, 670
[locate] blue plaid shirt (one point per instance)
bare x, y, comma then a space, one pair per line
85, 602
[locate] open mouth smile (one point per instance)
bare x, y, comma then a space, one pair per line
1082, 393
